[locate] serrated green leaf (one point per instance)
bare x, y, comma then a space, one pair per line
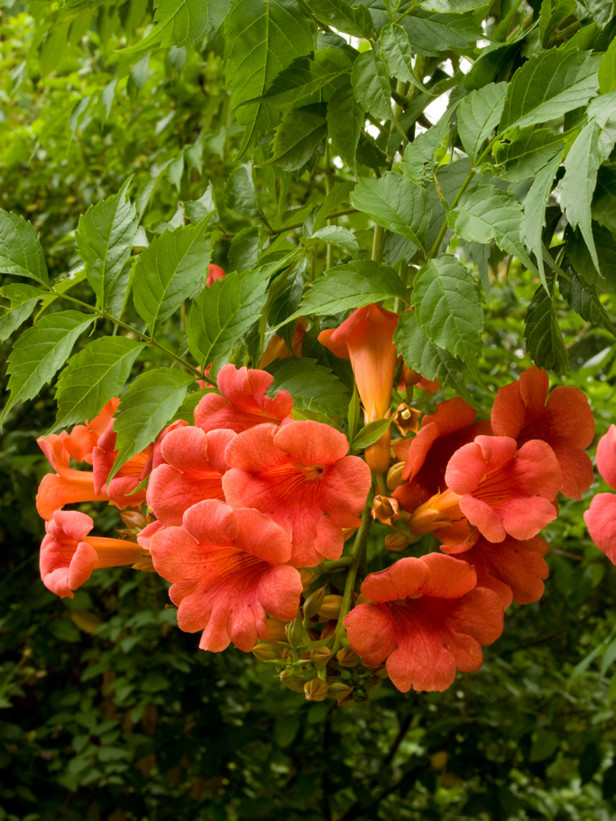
370, 434
105, 237
577, 186
20, 251
263, 37
349, 286
448, 307
526, 153
607, 69
222, 314
355, 21
423, 356
371, 85
583, 298
312, 386
396, 203
146, 407
298, 136
338, 194
241, 194
338, 236
535, 204
549, 85
398, 55
431, 33
169, 270
484, 214
345, 120
579, 257
176, 22
601, 11
478, 115
324, 71
543, 337
93, 376
22, 301
458, 6
420, 156
40, 352
604, 199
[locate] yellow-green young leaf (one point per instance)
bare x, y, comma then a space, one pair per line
396, 203
543, 337
105, 237
448, 307
370, 434
93, 376
263, 37
312, 386
349, 286
478, 115
549, 85
20, 251
176, 22
222, 314
22, 300
169, 271
298, 136
147, 406
40, 352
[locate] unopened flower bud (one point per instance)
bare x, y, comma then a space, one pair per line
339, 690
330, 608
347, 658
406, 418
396, 542
385, 509
314, 602
320, 656
344, 702
316, 690
133, 519
266, 652
295, 631
394, 475
293, 680
307, 577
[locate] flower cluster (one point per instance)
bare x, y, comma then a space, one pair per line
262, 522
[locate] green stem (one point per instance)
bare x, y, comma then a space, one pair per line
357, 557
378, 243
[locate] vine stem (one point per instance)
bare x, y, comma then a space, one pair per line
357, 557
143, 337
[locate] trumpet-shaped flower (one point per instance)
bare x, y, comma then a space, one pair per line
300, 476
426, 619
366, 338
227, 569
514, 569
524, 411
69, 555
194, 462
600, 518
441, 516
242, 403
504, 490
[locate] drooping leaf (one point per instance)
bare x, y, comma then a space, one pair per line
40, 352
345, 120
535, 204
241, 194
222, 314
371, 85
312, 386
398, 55
147, 406
396, 203
582, 297
263, 37
543, 337
355, 21
604, 199
169, 270
20, 251
349, 286
93, 376
105, 237
448, 307
478, 116
298, 136
22, 300
549, 85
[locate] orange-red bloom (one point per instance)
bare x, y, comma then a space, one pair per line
441, 515
194, 462
427, 620
366, 338
524, 411
505, 490
243, 402
69, 555
214, 272
600, 518
300, 476
227, 568
277, 348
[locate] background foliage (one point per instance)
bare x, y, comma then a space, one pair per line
159, 133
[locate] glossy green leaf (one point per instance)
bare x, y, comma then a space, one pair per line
105, 237
312, 386
93, 376
370, 434
371, 85
20, 251
222, 314
297, 137
583, 298
398, 55
22, 301
176, 22
343, 16
534, 205
478, 115
345, 120
338, 236
323, 72
147, 406
543, 336
431, 33
40, 352
170, 270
